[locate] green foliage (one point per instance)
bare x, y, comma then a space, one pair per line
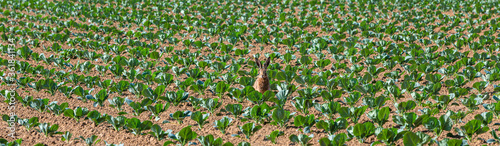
41, 105
331, 95
116, 102
77, 113
176, 97
403, 107
471, 128
444, 123
329, 109
58, 109
249, 129
281, 117
362, 131
200, 118
379, 116
336, 140
183, 136
353, 113
210, 141
302, 104
117, 122
158, 133
157, 109
16, 142
211, 104
234, 109
100, 97
302, 139
29, 123
92, 140
180, 115
353, 98
221, 88
138, 107
154, 94
332, 126
96, 117
307, 122
223, 124
375, 103
472, 103
47, 130
259, 112
135, 126
409, 120
389, 136
66, 136
275, 134
342, 51
258, 98
418, 138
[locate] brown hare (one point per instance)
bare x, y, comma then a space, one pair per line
262, 83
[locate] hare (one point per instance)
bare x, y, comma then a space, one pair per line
262, 83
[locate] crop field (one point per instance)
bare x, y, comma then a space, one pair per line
250, 72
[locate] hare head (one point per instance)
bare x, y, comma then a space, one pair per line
262, 67
262, 83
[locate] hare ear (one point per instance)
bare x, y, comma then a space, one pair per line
257, 62
267, 62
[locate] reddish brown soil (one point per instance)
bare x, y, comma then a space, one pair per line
105, 132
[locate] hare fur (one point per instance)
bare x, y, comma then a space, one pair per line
262, 83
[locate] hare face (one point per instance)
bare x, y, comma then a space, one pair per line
262, 82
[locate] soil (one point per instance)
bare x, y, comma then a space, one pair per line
86, 128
